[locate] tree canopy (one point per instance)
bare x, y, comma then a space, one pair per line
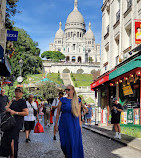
48, 90
27, 50
11, 10
55, 56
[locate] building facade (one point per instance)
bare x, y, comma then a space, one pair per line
118, 31
120, 61
77, 44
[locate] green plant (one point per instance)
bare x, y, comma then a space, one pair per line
75, 84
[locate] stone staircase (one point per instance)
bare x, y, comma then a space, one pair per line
66, 78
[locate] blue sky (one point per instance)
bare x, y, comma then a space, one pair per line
40, 18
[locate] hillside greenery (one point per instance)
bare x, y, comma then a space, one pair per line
82, 79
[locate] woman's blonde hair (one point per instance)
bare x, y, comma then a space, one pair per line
75, 106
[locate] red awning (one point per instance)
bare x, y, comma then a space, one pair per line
100, 81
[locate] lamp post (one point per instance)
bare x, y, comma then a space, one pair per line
20, 78
21, 64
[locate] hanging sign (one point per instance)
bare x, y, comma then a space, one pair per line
127, 90
138, 32
12, 35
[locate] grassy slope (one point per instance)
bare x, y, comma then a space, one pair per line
82, 79
37, 77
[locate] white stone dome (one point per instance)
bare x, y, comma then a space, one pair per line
75, 17
60, 32
89, 34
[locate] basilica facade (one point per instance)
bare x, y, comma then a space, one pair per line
77, 44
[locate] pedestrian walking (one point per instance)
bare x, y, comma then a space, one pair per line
89, 114
29, 121
84, 109
115, 112
18, 109
70, 124
3, 101
47, 110
41, 109
54, 109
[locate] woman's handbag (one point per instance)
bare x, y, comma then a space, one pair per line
7, 122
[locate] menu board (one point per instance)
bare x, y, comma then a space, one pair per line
130, 116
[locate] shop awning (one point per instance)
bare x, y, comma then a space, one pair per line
5, 68
135, 63
99, 81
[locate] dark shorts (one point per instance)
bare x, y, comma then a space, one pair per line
29, 125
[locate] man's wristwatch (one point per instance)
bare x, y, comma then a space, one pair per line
17, 113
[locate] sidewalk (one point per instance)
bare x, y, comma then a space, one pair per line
107, 132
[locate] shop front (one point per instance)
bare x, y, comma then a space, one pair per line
102, 87
128, 80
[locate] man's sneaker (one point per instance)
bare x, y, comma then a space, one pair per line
119, 136
54, 138
116, 136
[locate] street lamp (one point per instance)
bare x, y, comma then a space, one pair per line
21, 64
20, 78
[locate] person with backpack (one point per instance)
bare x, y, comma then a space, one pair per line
54, 109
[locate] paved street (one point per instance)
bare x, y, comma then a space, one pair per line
95, 146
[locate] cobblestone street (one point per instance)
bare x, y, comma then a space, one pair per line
95, 146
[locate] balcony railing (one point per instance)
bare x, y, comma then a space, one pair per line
129, 3
118, 16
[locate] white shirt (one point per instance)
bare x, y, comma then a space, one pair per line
55, 103
30, 116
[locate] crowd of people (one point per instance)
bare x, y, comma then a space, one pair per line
65, 113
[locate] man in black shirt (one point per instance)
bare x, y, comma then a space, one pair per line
115, 112
3, 101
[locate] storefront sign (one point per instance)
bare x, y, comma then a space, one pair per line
136, 117
130, 116
12, 35
100, 81
138, 32
127, 90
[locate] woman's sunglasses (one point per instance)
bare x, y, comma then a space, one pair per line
67, 90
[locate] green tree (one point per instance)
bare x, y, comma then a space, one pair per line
55, 56
90, 59
48, 90
10, 90
26, 49
11, 10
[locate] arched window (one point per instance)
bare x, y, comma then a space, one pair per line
79, 59
73, 59
68, 49
80, 35
68, 34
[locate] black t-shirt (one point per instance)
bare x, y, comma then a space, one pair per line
116, 113
18, 106
3, 102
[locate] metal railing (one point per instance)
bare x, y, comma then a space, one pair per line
108, 29
118, 16
129, 3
